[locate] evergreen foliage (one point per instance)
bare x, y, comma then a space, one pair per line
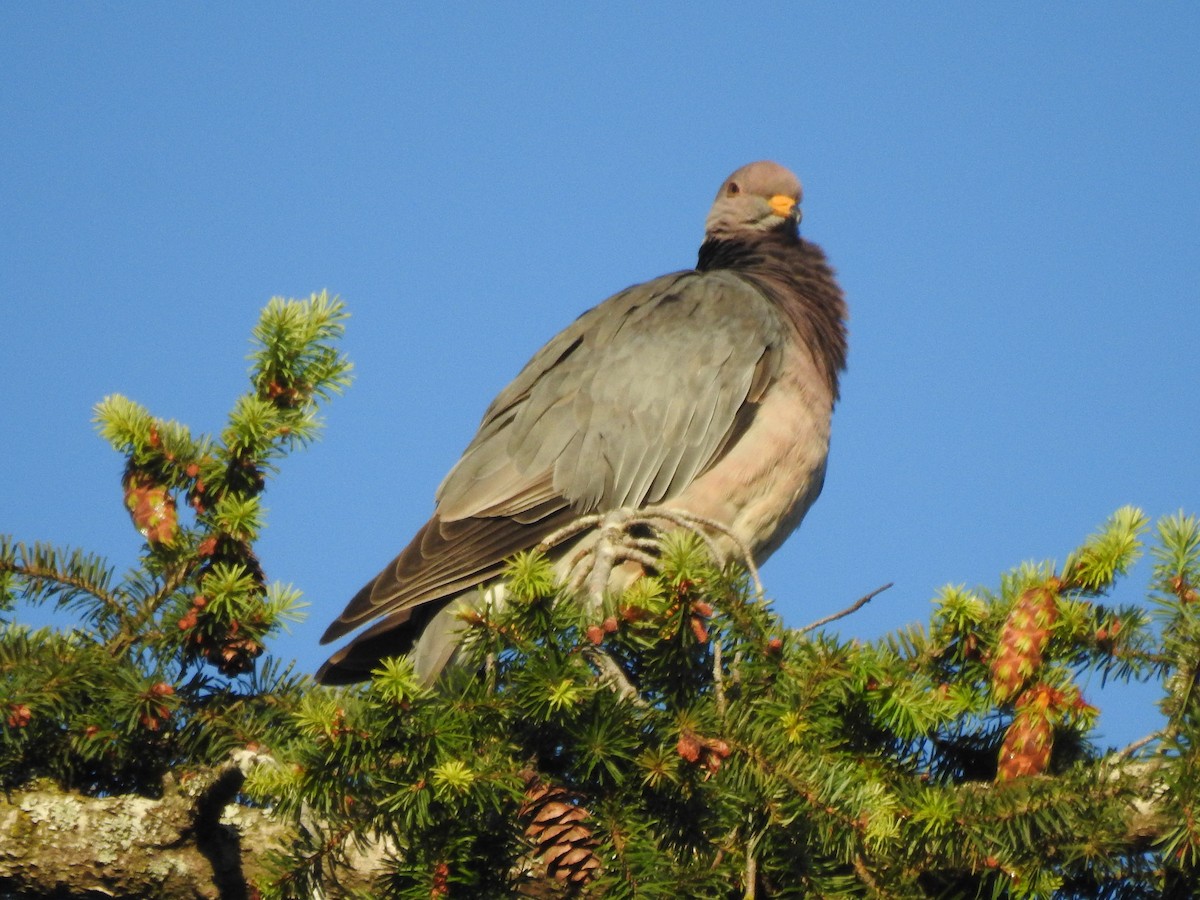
754, 760
675, 740
160, 672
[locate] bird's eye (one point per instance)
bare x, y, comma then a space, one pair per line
733, 189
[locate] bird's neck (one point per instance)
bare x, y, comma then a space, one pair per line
741, 252
795, 276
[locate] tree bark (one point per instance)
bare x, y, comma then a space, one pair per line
192, 844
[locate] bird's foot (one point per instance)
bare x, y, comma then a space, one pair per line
621, 538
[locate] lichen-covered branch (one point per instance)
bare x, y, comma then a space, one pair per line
60, 844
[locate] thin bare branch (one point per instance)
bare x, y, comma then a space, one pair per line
860, 867
1137, 745
854, 607
614, 676
719, 678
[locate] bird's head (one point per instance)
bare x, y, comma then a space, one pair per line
761, 196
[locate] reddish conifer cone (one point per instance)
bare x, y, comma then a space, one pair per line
151, 506
1023, 640
1030, 736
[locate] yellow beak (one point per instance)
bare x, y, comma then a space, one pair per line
782, 205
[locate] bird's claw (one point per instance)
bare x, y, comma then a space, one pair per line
617, 542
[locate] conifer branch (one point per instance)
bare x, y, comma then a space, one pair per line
79, 575
175, 577
65, 580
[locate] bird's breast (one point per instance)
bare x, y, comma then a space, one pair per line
764, 484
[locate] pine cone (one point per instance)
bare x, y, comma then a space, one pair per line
1023, 640
151, 506
561, 840
1030, 737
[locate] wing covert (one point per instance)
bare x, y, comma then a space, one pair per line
628, 404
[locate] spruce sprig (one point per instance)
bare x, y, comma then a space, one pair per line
161, 671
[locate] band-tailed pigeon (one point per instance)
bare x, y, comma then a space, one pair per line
708, 392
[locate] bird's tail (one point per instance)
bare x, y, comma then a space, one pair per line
439, 627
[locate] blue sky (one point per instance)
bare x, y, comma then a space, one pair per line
1010, 193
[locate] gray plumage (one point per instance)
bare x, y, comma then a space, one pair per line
708, 391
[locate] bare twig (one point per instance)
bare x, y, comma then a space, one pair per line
751, 876
1138, 745
860, 867
489, 670
718, 677
614, 675
854, 607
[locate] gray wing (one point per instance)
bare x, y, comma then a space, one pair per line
625, 407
